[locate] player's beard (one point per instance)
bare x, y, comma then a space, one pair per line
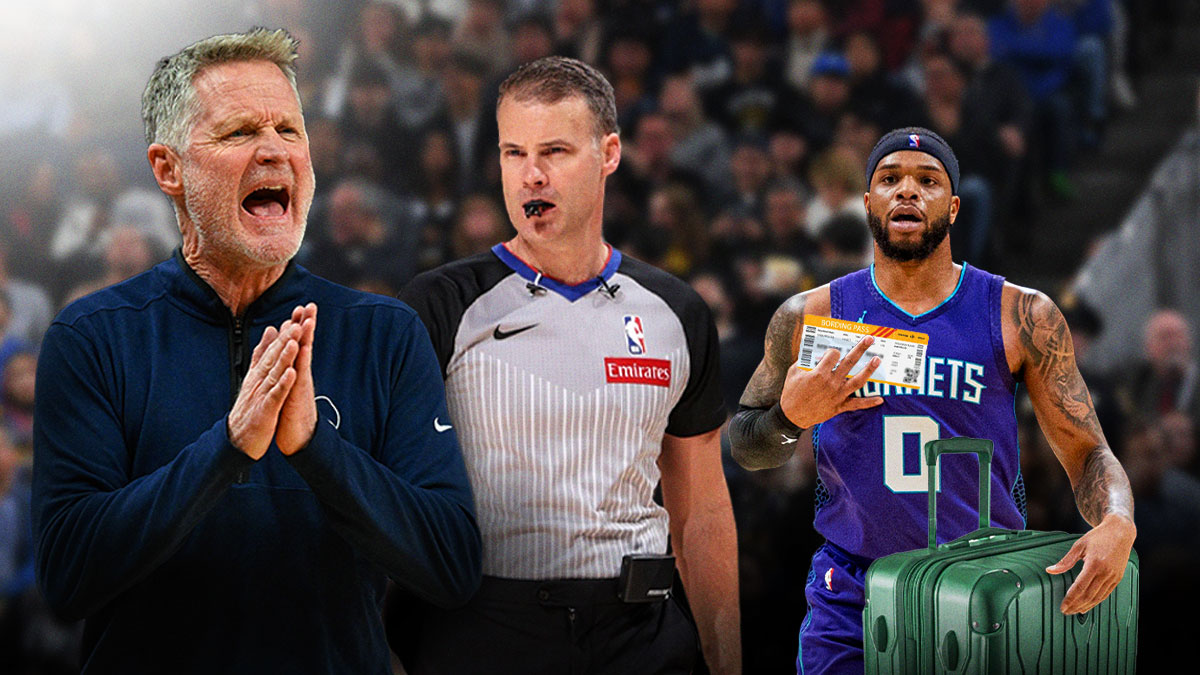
931, 238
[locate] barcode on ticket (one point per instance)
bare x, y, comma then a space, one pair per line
901, 352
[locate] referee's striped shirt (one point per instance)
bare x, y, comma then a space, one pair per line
560, 396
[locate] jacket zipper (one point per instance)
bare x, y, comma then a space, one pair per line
239, 364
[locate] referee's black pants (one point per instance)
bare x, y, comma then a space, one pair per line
571, 627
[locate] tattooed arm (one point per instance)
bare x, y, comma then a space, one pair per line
780, 401
1038, 345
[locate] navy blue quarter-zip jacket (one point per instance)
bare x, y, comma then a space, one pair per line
186, 556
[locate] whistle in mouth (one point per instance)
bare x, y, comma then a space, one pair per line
535, 207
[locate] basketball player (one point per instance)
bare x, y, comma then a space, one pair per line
986, 336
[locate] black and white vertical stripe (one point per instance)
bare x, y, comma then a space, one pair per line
563, 480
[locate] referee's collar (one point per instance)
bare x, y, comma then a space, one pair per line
571, 292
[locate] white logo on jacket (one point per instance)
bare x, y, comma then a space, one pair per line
337, 415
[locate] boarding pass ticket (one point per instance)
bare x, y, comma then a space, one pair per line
901, 352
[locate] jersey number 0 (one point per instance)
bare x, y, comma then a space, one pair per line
897, 429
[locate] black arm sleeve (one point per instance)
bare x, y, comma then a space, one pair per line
762, 438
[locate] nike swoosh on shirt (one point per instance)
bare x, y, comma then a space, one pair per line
439, 427
505, 334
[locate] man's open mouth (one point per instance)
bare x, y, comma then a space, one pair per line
906, 214
536, 207
267, 202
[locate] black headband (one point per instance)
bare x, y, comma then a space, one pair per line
920, 140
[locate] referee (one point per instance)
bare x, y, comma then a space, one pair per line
577, 381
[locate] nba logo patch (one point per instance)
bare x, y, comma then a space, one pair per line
914, 141
829, 579
635, 337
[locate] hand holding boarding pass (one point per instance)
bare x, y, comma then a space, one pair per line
815, 392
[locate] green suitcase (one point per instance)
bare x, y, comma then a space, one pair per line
984, 602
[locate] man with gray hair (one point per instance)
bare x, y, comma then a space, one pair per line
220, 483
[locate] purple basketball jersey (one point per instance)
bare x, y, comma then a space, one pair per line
872, 490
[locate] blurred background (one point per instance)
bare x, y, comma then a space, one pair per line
746, 125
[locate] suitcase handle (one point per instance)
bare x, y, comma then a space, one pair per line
990, 534
960, 445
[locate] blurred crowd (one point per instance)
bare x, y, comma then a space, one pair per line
745, 127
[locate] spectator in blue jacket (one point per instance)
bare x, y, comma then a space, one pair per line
1039, 42
222, 484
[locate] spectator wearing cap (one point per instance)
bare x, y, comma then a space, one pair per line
828, 96
147, 212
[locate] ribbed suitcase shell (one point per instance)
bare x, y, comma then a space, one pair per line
984, 603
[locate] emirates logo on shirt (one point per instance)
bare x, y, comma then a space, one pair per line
655, 372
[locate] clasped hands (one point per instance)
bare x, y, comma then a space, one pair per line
277, 400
